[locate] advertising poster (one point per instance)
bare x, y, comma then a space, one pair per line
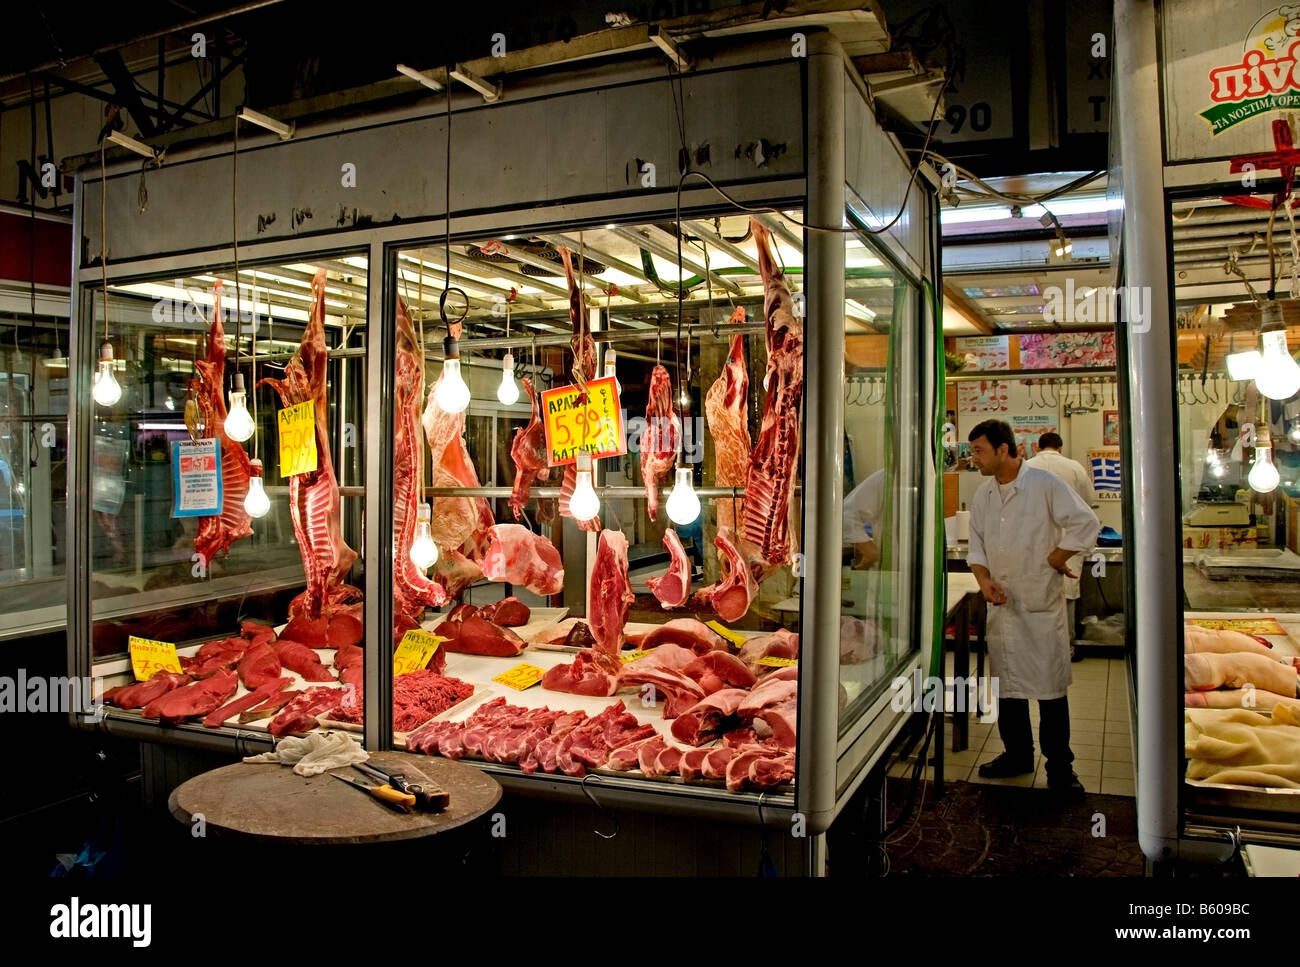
982, 396
1054, 350
1110, 428
196, 478
985, 352
1028, 429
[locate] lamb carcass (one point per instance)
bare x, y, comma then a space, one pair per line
659, 442
528, 453
724, 410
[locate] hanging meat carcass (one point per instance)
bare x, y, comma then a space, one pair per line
596, 670
724, 409
528, 452
314, 504
660, 439
731, 596
517, 555
218, 532
412, 590
769, 484
584, 347
672, 587
458, 522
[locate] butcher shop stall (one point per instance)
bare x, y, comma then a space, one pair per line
1210, 262
517, 430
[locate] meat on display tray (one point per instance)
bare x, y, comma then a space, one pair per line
1284, 646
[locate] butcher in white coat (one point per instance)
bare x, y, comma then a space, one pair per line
1025, 525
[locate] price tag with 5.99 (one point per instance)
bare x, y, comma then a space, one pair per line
297, 429
149, 657
414, 652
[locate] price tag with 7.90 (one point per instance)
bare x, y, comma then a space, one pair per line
149, 657
297, 429
414, 652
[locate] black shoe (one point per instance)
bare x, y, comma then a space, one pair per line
1067, 789
1005, 766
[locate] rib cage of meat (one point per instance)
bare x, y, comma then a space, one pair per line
769, 484
218, 532
724, 409
412, 590
732, 595
659, 442
528, 452
314, 496
610, 592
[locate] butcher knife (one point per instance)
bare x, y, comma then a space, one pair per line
390, 797
427, 798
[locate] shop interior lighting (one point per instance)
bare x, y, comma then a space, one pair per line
256, 504
239, 422
452, 395
285, 131
106, 390
419, 76
1090, 205
670, 49
424, 552
1263, 477
683, 503
131, 144
1243, 365
1278, 376
584, 504
611, 360
508, 391
490, 92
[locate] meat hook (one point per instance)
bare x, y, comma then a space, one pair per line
1029, 394
610, 816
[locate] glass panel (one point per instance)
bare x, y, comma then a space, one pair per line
881, 508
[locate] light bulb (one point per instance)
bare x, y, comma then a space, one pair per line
256, 504
1243, 365
1218, 471
424, 552
584, 504
239, 422
1278, 376
1263, 477
508, 391
611, 358
1211, 456
106, 390
452, 395
683, 503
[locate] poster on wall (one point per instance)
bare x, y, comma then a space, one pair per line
1110, 428
196, 478
1103, 463
982, 396
1028, 428
1053, 350
983, 353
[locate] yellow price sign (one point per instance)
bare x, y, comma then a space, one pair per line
735, 637
594, 425
632, 655
773, 662
521, 677
414, 651
149, 657
297, 426
1247, 626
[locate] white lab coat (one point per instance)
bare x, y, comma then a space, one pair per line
862, 510
1072, 472
1028, 638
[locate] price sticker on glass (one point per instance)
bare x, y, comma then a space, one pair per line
521, 677
149, 657
594, 425
297, 426
414, 651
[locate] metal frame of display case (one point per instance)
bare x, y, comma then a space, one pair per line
817, 105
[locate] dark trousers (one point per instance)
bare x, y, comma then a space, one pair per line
1053, 732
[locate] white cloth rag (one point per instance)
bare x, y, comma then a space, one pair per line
315, 753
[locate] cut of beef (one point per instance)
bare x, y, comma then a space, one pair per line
610, 592
300, 714
673, 586
259, 666
517, 555
454, 571
687, 632
268, 708
245, 702
659, 442
716, 670
189, 701
474, 636
142, 693
297, 657
591, 672
724, 409
508, 613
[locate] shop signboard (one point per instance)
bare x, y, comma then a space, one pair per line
593, 424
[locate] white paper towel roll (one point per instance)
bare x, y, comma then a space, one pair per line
963, 525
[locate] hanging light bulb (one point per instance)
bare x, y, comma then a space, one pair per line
1211, 456
683, 503
1243, 365
106, 390
611, 358
424, 552
1263, 477
239, 422
452, 395
584, 504
1277, 376
256, 504
508, 391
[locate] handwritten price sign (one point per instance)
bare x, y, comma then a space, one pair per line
1247, 626
149, 657
595, 425
773, 662
521, 677
297, 426
414, 652
732, 636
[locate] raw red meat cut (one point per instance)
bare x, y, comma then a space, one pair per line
583, 346
572, 633
268, 708
218, 532
610, 592
301, 713
716, 670
776, 702
768, 517
417, 697
508, 612
349, 656
207, 667
708, 718
715, 763
413, 591
648, 753
528, 452
731, 596
677, 692
254, 631
567, 483
474, 636
724, 409
691, 765
659, 442
667, 761
767, 772
739, 768
673, 586
314, 504
259, 666
625, 758
198, 698
778, 644
296, 656
142, 693
458, 522
219, 717
687, 632
591, 672
454, 571
518, 556
667, 655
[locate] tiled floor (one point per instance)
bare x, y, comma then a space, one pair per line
1099, 735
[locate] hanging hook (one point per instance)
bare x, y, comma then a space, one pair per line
608, 815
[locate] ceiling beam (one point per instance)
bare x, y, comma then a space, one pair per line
970, 309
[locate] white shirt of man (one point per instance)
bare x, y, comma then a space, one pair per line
862, 510
1072, 472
